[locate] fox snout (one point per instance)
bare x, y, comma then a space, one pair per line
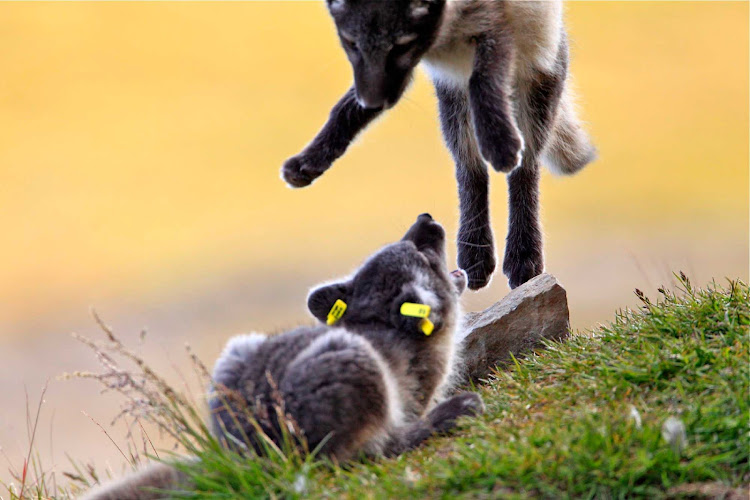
371, 88
369, 101
377, 86
426, 233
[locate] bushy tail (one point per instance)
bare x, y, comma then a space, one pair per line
569, 148
141, 485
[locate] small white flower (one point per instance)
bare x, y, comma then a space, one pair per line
300, 484
635, 416
673, 432
411, 476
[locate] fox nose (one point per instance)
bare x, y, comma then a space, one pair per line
370, 85
426, 233
373, 104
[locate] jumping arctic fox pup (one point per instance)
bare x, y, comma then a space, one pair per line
500, 70
370, 380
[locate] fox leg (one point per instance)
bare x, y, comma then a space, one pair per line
539, 95
151, 482
346, 120
336, 392
439, 420
476, 248
498, 137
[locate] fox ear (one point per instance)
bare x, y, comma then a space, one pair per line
335, 5
321, 300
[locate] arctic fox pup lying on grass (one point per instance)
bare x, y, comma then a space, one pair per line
370, 381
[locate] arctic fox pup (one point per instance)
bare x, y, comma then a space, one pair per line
500, 70
372, 379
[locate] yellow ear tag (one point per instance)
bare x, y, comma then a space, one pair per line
415, 310
338, 309
426, 326
419, 311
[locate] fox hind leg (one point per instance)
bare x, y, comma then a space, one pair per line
336, 392
539, 96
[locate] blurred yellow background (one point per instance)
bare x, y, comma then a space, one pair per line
140, 148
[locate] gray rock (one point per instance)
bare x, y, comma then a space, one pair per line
536, 310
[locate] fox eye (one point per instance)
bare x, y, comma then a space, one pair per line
402, 51
349, 41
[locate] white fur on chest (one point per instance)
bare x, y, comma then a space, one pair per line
451, 65
535, 28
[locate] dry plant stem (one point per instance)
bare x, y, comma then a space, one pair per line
31, 437
156, 453
52, 449
108, 437
148, 395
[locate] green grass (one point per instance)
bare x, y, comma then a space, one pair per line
582, 419
562, 422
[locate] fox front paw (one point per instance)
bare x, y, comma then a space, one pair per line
477, 259
501, 147
467, 404
300, 171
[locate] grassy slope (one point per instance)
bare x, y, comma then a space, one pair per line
562, 422
583, 418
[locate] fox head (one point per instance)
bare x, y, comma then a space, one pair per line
410, 271
384, 40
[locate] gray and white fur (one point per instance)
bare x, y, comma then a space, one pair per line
371, 384
499, 68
